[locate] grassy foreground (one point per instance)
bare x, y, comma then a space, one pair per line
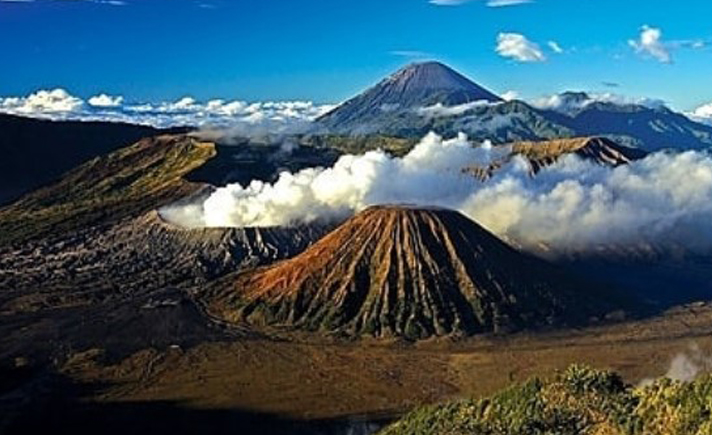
577, 401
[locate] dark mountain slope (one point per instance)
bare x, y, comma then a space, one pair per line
648, 128
36, 152
105, 190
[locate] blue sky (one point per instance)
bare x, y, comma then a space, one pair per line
326, 51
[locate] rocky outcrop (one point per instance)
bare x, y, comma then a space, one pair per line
599, 150
135, 257
540, 154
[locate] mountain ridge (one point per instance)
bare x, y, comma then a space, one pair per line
407, 107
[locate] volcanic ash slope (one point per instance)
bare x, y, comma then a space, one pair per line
408, 272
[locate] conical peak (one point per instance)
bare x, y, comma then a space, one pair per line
576, 96
432, 67
433, 76
414, 86
406, 211
408, 271
397, 223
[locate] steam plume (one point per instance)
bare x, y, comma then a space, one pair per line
665, 199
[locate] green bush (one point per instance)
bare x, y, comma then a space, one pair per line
578, 401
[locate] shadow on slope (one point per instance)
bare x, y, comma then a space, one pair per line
48, 401
35, 151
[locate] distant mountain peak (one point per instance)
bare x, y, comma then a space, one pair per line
575, 96
414, 86
436, 76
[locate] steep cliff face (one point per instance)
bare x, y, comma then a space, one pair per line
599, 150
540, 154
400, 271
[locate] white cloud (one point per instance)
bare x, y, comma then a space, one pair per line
58, 104
698, 45
50, 102
516, 46
685, 366
440, 110
571, 103
650, 43
103, 100
490, 3
555, 47
484, 126
510, 95
664, 200
501, 3
410, 53
702, 113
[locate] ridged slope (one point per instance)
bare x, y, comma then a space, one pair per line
540, 154
399, 271
599, 150
138, 256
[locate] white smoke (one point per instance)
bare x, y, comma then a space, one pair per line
686, 366
353, 183
573, 205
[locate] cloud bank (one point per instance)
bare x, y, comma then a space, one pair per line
440, 110
571, 103
572, 206
702, 114
58, 104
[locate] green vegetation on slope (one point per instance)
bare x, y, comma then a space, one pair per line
125, 183
38, 151
578, 401
360, 144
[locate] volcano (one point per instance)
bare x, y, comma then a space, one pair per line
430, 96
407, 272
415, 86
